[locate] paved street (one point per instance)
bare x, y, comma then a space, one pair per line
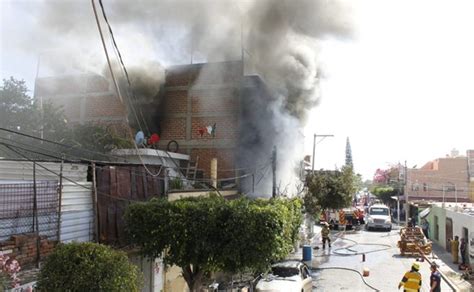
382, 259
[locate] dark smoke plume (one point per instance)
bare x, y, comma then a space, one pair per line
280, 41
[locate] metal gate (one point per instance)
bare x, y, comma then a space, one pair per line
27, 208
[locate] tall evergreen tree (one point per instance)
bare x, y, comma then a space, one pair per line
348, 154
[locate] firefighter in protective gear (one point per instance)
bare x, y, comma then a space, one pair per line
411, 281
325, 235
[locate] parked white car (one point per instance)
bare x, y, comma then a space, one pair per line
287, 276
378, 216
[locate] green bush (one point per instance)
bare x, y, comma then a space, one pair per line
176, 184
208, 234
88, 267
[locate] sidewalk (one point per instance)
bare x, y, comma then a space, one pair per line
448, 270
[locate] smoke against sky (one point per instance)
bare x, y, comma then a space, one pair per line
409, 61
279, 39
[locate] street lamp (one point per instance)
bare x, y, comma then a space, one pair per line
314, 147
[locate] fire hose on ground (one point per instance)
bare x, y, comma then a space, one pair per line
347, 269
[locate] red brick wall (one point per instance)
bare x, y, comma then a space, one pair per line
103, 107
225, 161
24, 248
173, 128
181, 76
68, 92
446, 172
222, 103
226, 127
215, 100
175, 102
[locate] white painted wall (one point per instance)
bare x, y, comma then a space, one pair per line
460, 221
153, 278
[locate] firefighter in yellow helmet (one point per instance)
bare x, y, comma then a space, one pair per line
411, 281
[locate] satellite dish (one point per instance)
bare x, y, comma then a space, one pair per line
139, 138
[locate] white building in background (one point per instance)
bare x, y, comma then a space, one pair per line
452, 220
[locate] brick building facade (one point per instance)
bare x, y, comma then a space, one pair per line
85, 98
201, 95
192, 98
446, 177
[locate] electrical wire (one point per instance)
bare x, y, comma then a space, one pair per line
118, 92
117, 51
207, 181
62, 144
70, 180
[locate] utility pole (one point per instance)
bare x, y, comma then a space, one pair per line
274, 158
407, 205
314, 148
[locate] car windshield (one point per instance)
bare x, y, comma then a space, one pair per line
378, 211
285, 271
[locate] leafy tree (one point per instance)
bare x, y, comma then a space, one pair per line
202, 235
384, 193
99, 138
358, 183
88, 267
329, 190
20, 112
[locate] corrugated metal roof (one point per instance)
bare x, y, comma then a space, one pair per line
23, 170
77, 215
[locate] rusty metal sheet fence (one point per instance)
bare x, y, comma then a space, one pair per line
23, 211
117, 188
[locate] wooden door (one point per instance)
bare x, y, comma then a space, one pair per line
449, 233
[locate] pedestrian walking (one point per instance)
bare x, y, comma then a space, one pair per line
455, 249
411, 281
325, 235
463, 250
435, 279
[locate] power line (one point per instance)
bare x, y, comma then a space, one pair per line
91, 189
116, 49
71, 180
10, 146
106, 53
62, 144
118, 91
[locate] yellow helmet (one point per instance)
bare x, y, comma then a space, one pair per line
415, 266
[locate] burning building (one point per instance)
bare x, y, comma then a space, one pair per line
214, 111
207, 111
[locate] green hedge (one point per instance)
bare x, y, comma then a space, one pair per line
88, 267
